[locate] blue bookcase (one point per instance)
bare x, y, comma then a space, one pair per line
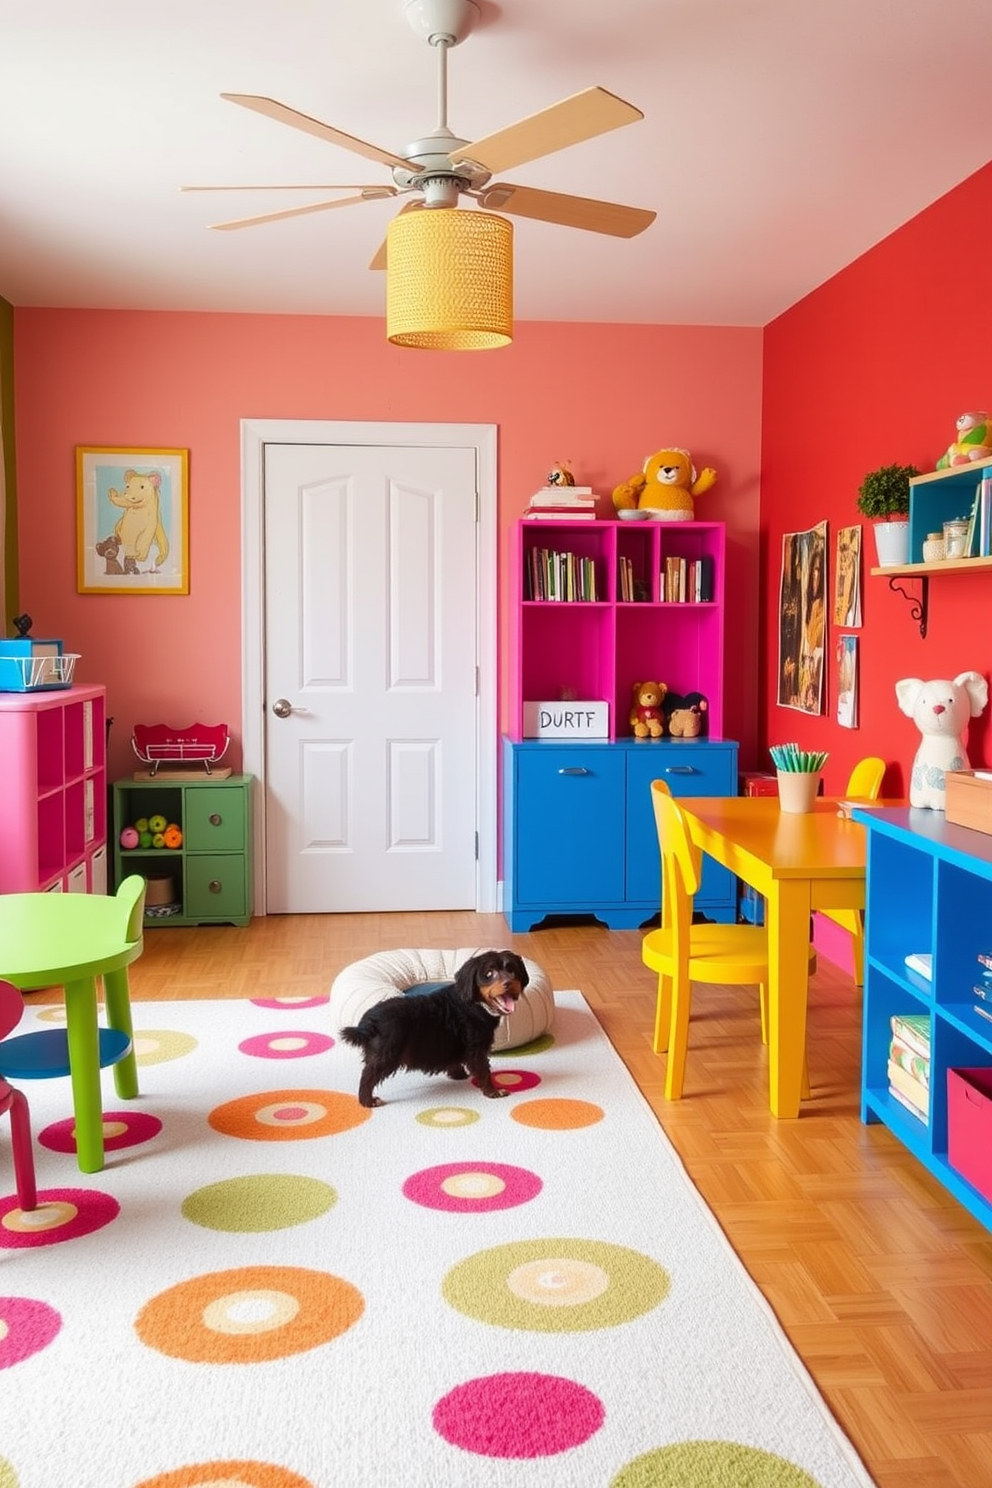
929, 890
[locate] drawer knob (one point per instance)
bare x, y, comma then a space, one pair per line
214, 886
573, 770
215, 818
679, 770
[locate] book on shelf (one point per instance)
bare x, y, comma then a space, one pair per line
983, 990
558, 514
901, 1080
553, 498
559, 576
983, 1012
907, 1105
913, 1030
914, 1063
922, 963
985, 957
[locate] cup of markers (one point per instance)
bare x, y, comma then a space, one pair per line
799, 773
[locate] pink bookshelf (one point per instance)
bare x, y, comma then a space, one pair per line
53, 797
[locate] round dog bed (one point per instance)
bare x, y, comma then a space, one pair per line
389, 973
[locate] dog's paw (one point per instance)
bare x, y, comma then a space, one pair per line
496, 1093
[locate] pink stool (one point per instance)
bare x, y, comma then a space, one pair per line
11, 1010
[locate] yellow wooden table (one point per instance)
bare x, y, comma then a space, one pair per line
799, 863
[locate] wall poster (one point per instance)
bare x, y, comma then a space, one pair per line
802, 619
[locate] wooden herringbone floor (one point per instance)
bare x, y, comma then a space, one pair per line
882, 1281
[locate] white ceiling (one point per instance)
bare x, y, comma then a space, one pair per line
781, 139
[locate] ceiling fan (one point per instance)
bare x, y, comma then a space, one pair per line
438, 169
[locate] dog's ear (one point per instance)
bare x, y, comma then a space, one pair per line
520, 970
465, 979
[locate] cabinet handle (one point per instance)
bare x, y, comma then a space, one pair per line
573, 770
215, 819
680, 770
214, 886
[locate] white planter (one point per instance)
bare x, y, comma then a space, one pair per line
892, 543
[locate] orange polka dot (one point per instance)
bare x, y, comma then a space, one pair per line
288, 1115
228, 1475
249, 1315
557, 1115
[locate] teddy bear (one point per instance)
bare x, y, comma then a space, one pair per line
108, 551
940, 709
665, 487
973, 441
685, 715
647, 718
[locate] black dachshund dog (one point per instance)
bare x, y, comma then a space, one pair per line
448, 1031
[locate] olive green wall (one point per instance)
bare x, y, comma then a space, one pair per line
8, 544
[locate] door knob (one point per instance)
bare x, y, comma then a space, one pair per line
282, 707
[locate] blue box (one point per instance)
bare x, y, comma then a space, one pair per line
30, 664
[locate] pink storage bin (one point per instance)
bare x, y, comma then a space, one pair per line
969, 1126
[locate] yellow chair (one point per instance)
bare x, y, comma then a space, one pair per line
682, 953
864, 785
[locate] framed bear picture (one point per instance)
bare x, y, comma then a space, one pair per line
132, 520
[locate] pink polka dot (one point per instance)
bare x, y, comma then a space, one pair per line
518, 1415
289, 1113
27, 1327
62, 1214
514, 1080
289, 1004
472, 1187
287, 1044
120, 1129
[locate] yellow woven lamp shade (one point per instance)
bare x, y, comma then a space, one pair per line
449, 280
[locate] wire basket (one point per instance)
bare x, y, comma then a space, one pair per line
35, 673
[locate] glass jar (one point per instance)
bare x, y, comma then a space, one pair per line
956, 537
934, 547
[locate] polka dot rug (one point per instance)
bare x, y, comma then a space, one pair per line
268, 1286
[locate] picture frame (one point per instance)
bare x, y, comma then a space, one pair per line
132, 520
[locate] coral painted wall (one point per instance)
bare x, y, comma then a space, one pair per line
871, 369
600, 396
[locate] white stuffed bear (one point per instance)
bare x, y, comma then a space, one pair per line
940, 711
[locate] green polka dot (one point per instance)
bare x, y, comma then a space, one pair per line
556, 1286
711, 1464
536, 1046
8, 1477
447, 1116
159, 1045
260, 1202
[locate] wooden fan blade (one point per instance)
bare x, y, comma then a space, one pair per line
379, 260
283, 114
581, 117
568, 211
371, 191
343, 201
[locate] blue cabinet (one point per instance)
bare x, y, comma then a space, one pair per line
929, 891
579, 834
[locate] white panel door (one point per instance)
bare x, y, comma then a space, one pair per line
370, 640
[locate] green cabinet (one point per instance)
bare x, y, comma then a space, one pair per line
207, 879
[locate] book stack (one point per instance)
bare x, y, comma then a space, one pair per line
687, 580
983, 987
562, 504
909, 1063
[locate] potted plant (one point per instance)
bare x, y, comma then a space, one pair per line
883, 496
